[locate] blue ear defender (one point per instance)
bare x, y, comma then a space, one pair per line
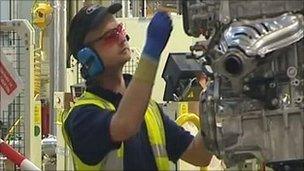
92, 65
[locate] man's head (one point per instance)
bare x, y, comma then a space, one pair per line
95, 27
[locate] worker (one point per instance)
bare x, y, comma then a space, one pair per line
114, 125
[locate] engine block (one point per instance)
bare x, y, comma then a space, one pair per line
254, 105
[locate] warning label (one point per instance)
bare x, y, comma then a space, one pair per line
10, 81
6, 81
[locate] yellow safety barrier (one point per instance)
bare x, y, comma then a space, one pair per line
42, 17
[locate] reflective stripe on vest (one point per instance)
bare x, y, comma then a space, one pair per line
114, 160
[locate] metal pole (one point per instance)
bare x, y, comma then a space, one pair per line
135, 8
144, 8
123, 10
14, 9
128, 11
60, 50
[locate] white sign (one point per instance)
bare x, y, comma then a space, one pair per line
10, 82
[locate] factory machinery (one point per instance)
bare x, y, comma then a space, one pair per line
253, 55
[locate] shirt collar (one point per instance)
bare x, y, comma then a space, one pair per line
109, 95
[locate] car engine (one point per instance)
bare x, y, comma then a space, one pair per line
253, 55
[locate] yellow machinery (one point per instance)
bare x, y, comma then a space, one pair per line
41, 16
185, 116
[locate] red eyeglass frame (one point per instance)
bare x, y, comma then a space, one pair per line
112, 36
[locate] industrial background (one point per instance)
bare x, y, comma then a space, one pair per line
41, 79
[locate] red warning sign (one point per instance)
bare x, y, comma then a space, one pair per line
10, 81
6, 81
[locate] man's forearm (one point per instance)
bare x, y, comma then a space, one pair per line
196, 153
130, 113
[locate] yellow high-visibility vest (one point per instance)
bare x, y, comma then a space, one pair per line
114, 160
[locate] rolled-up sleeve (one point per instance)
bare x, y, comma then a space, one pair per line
89, 130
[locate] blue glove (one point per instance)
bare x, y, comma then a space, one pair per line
158, 33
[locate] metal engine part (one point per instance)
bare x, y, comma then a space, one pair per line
244, 44
254, 105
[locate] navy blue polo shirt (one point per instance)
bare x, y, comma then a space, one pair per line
88, 129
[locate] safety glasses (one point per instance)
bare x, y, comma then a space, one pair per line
117, 34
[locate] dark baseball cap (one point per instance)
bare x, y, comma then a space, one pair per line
88, 18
